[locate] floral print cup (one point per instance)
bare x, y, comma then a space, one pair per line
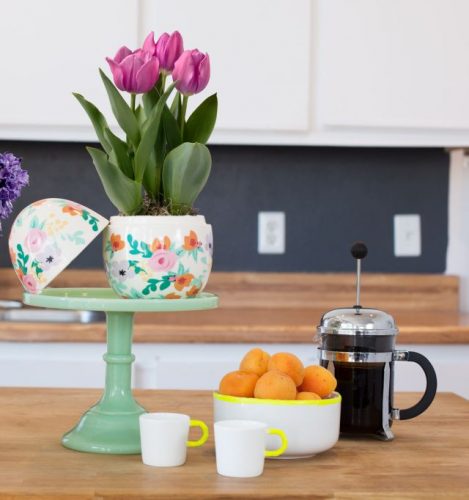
158, 257
46, 236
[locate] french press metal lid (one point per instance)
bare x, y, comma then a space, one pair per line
357, 329
357, 344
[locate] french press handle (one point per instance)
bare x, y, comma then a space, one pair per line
430, 389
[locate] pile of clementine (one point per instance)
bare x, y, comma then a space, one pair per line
280, 376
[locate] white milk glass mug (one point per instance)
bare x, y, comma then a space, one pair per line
164, 438
240, 447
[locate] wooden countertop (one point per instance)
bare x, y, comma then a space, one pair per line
428, 458
269, 308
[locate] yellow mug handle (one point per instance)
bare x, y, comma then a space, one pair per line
203, 438
283, 447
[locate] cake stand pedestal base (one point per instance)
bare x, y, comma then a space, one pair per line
112, 424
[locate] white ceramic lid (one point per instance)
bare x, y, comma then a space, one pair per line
47, 236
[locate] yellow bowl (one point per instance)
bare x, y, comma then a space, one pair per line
311, 426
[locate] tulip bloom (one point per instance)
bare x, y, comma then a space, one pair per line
136, 72
191, 72
167, 49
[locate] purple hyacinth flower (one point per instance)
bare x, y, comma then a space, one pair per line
12, 180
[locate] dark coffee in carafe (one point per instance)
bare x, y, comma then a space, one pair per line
358, 346
362, 387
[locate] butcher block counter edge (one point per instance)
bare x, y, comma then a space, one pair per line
268, 308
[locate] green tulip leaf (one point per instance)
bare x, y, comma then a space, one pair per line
124, 116
201, 123
124, 193
176, 106
171, 129
152, 174
150, 100
141, 116
151, 178
97, 120
150, 131
185, 173
119, 154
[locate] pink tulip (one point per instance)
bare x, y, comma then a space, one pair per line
191, 72
149, 44
167, 49
135, 72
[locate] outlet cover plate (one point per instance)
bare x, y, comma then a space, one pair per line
271, 233
407, 235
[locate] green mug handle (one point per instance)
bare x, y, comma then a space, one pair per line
283, 446
203, 438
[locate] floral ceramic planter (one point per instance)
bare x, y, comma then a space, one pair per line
160, 257
46, 236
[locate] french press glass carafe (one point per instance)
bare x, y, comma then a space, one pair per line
358, 346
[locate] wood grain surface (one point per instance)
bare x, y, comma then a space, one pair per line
428, 459
269, 308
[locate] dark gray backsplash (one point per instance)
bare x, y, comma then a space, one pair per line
331, 197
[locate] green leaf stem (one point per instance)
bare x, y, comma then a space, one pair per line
97, 120
122, 111
185, 173
124, 193
120, 154
200, 125
149, 134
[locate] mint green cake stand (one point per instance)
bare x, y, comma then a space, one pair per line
111, 425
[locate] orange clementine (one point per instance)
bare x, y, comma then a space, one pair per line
255, 361
319, 380
307, 395
288, 363
238, 383
275, 384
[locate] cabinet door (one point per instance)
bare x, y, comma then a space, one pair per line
260, 55
186, 366
197, 374
394, 64
51, 48
22, 372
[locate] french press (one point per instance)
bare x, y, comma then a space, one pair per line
357, 345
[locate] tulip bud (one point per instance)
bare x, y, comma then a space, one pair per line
191, 72
168, 49
149, 44
136, 72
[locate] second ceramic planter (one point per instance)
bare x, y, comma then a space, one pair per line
160, 257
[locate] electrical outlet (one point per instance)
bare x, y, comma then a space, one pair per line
271, 232
407, 235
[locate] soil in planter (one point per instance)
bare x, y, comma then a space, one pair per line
151, 207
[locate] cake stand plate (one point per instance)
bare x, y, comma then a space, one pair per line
112, 425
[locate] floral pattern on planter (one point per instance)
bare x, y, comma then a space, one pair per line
46, 236
172, 264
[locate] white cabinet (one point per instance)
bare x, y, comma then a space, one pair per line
394, 67
260, 57
195, 366
51, 48
51, 365
260, 54
328, 72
